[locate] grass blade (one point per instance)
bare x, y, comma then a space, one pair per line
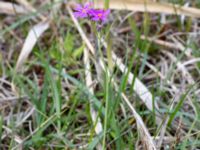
149, 6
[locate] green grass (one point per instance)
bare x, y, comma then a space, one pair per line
53, 83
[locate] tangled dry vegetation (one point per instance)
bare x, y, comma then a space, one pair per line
139, 90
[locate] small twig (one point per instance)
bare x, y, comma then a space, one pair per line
10, 99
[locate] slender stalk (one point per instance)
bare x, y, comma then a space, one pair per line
106, 111
106, 4
109, 53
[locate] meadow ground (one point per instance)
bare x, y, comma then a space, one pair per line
73, 83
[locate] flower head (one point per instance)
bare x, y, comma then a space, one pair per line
82, 11
85, 11
99, 15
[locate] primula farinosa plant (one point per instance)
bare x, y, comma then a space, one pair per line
86, 11
97, 16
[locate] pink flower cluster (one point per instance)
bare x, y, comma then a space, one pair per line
85, 11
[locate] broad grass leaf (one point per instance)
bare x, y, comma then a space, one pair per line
150, 6
30, 42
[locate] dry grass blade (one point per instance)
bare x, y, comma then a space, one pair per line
144, 133
187, 51
192, 61
30, 8
26, 115
180, 67
138, 87
27, 5
9, 131
142, 91
83, 36
164, 127
11, 9
163, 77
30, 42
153, 7
167, 44
88, 78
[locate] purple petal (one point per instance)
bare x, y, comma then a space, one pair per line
107, 12
95, 19
88, 5
83, 16
78, 7
76, 14
80, 15
92, 11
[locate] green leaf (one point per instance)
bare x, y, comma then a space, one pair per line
95, 141
1, 127
69, 44
178, 106
78, 52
